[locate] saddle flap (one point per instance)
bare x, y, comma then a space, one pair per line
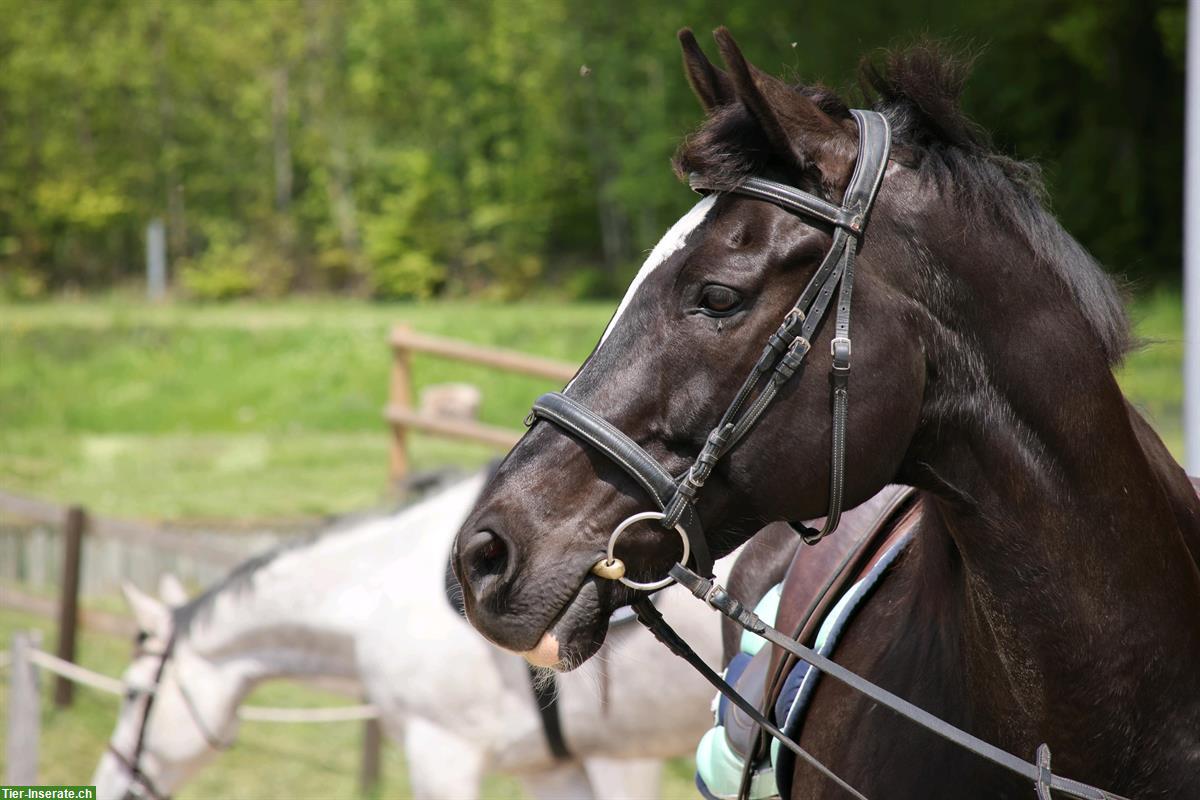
818, 574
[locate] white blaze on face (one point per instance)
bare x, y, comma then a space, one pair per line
668, 245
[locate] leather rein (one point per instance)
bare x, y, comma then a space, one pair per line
133, 763
782, 357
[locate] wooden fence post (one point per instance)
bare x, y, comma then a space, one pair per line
400, 396
68, 600
24, 712
369, 770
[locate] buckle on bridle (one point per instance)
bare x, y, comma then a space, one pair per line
794, 317
792, 359
839, 348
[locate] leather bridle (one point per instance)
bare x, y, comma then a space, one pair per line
133, 763
782, 357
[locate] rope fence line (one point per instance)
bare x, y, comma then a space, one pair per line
76, 673
110, 685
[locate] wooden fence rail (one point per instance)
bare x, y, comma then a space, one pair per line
402, 415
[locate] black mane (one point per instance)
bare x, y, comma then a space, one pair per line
919, 90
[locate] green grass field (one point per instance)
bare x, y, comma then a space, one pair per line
252, 411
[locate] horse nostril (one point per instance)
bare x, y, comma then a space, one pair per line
485, 556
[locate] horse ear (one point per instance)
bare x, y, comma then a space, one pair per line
152, 616
712, 86
171, 591
793, 123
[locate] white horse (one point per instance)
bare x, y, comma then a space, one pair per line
368, 607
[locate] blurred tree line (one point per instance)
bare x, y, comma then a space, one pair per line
404, 148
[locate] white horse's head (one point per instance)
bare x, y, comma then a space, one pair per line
177, 710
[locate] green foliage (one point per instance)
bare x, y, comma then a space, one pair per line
404, 240
240, 264
223, 272
407, 148
19, 283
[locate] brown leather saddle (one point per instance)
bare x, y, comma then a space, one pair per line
817, 575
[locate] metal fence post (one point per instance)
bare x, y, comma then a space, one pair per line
24, 712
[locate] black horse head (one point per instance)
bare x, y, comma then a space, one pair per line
716, 287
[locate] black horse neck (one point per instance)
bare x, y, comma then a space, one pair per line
1072, 533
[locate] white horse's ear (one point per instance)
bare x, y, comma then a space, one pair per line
153, 617
171, 591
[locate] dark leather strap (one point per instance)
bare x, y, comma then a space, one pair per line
210, 738
545, 694
787, 348
797, 202
138, 777
783, 356
133, 764
581, 421
874, 147
718, 598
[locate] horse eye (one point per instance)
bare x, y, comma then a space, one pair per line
718, 299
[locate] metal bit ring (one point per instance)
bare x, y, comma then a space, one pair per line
611, 565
